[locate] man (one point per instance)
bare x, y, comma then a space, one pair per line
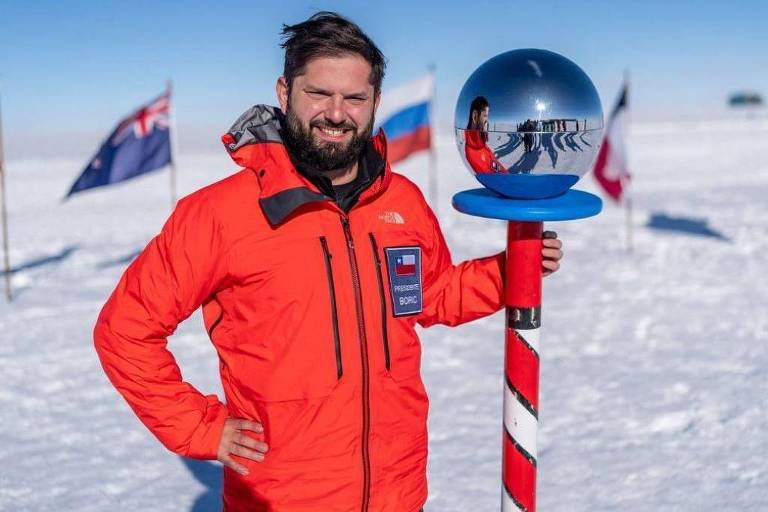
479, 156
528, 128
312, 265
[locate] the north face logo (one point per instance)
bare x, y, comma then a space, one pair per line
392, 218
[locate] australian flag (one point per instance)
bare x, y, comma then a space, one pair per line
141, 143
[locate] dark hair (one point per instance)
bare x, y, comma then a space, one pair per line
327, 34
478, 104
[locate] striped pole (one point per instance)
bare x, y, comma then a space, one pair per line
521, 366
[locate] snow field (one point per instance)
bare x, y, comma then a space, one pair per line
654, 374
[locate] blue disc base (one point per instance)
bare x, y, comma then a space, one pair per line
574, 204
528, 186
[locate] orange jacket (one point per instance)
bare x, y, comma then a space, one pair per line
299, 300
479, 156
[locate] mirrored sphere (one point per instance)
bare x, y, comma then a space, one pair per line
528, 124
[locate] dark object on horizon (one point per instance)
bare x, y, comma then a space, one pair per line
745, 99
688, 225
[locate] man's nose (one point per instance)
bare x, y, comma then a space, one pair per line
334, 111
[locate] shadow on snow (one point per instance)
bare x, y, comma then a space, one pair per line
688, 225
122, 260
210, 475
44, 260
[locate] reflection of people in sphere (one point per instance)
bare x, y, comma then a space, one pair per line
527, 128
479, 155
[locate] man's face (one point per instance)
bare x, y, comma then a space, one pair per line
329, 111
480, 119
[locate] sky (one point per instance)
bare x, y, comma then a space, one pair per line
70, 70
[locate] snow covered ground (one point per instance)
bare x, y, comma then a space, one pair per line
654, 362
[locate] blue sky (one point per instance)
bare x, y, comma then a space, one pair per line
69, 70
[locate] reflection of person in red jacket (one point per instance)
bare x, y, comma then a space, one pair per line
313, 265
479, 156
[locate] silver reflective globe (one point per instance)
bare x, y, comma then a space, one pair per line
528, 123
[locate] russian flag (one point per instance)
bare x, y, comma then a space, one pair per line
404, 114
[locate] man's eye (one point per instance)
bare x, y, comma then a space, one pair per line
357, 100
317, 94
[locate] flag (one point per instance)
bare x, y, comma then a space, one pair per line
139, 144
611, 168
405, 265
404, 114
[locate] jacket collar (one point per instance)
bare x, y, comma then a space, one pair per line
255, 142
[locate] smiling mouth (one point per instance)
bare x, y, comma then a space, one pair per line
333, 133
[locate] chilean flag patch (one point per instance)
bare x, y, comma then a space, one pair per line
404, 268
405, 265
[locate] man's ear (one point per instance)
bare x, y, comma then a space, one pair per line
282, 90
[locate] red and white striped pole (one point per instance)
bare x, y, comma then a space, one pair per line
521, 366
502, 96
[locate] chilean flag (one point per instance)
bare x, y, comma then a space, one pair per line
404, 114
611, 168
405, 265
140, 143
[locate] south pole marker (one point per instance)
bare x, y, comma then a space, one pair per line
528, 126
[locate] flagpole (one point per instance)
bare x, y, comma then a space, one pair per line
626, 183
6, 249
433, 185
628, 209
174, 150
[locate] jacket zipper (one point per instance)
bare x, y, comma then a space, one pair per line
334, 310
377, 261
364, 357
215, 323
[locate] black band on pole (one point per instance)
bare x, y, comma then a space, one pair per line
523, 318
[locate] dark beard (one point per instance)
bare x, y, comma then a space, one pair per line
314, 155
